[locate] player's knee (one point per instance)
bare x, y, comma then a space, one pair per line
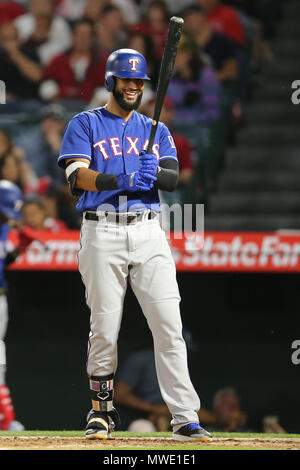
167, 344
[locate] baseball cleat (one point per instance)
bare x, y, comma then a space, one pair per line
192, 432
98, 426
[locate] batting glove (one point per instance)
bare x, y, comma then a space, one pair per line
149, 163
136, 181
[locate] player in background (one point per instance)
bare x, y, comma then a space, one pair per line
11, 200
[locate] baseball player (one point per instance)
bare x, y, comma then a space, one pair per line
106, 163
10, 211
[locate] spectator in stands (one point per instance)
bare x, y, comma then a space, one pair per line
42, 30
196, 93
93, 8
35, 216
42, 144
14, 168
267, 12
71, 10
257, 49
77, 73
129, 10
9, 11
155, 24
227, 408
184, 152
6, 143
10, 170
221, 52
13, 165
218, 47
174, 6
111, 33
137, 394
194, 88
20, 68
224, 19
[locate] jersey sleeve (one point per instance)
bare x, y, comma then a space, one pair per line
167, 148
76, 141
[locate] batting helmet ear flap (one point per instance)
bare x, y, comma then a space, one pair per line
110, 82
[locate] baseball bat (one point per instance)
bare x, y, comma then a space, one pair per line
165, 73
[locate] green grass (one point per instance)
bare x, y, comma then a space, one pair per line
62, 433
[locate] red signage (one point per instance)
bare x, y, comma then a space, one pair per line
219, 251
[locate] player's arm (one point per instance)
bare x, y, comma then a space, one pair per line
75, 158
124, 395
167, 175
81, 178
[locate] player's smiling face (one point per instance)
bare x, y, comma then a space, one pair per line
128, 93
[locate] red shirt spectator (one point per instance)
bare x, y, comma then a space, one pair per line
155, 25
158, 36
80, 71
184, 152
183, 146
36, 220
224, 19
60, 69
9, 11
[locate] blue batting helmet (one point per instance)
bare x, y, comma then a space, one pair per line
125, 63
11, 200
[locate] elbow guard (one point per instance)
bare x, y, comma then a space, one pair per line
71, 173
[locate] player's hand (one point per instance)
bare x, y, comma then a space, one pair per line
136, 181
149, 163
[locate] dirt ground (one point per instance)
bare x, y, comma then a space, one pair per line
79, 443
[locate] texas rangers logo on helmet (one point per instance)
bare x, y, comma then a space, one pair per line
134, 61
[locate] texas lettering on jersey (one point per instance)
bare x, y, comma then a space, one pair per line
112, 146
115, 145
133, 146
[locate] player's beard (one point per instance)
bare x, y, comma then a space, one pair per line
119, 97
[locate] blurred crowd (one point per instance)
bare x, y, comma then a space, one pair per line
142, 408
53, 55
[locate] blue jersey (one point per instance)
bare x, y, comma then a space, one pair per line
112, 146
3, 240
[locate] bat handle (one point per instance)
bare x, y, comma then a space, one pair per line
152, 136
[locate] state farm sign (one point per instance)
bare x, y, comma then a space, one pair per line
239, 252
217, 251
